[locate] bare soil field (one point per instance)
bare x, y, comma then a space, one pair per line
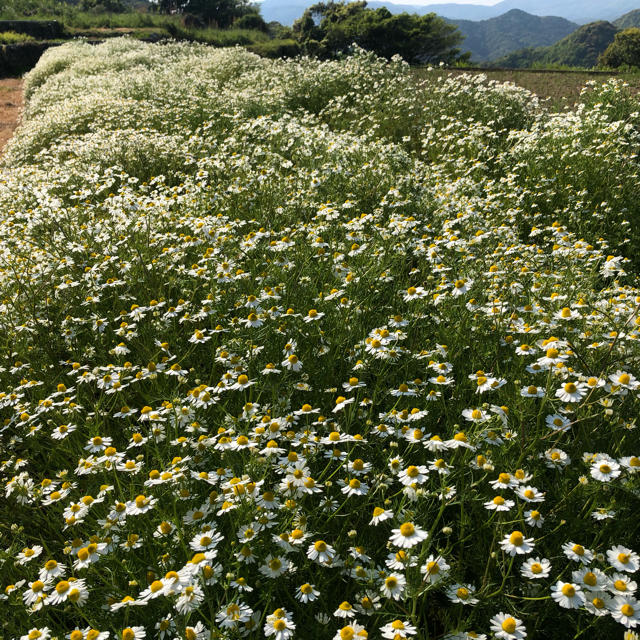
10, 107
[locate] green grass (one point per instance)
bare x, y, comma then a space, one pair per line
11, 37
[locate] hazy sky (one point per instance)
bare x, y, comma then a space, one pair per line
425, 2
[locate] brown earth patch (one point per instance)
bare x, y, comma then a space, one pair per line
10, 108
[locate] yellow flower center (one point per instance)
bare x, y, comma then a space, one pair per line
407, 529
62, 587
462, 593
590, 579
516, 539
568, 590
347, 633
509, 625
128, 634
536, 568
627, 610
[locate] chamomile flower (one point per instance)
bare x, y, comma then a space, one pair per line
506, 627
462, 594
535, 568
393, 586
398, 629
568, 595
626, 611
577, 552
623, 559
516, 544
280, 625
380, 515
407, 535
307, 593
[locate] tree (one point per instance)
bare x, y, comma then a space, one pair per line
220, 13
624, 50
327, 29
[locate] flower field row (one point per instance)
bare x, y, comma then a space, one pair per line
303, 349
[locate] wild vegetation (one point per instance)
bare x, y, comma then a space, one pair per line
304, 349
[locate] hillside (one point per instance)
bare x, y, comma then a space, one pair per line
579, 49
628, 20
497, 37
579, 11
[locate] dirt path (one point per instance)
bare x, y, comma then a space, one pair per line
10, 107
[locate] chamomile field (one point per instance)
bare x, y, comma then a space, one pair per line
314, 350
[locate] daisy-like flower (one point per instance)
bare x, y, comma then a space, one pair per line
232, 615
380, 515
133, 633
533, 518
499, 504
558, 422
292, 362
577, 552
394, 586
533, 392
572, 392
52, 569
530, 494
321, 552
631, 464
345, 610
626, 611
141, 504
516, 544
623, 559
591, 579
568, 595
353, 631
622, 585
306, 593
475, 415
407, 535
535, 568
72, 589
280, 625
398, 629
37, 634
28, 554
274, 566
624, 380
341, 403
36, 593
355, 487
462, 594
507, 627
434, 569
605, 470
190, 599
598, 603
413, 475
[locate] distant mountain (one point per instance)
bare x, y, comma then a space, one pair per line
579, 49
628, 20
497, 37
579, 11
